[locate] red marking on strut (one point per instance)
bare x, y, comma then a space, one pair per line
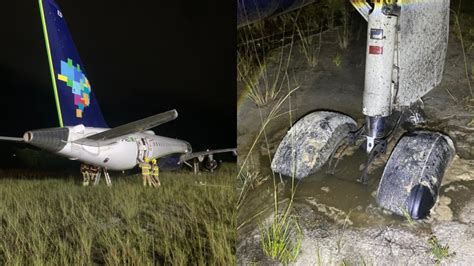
375, 49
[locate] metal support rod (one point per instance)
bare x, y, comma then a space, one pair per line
379, 80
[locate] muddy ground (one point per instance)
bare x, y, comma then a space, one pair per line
339, 217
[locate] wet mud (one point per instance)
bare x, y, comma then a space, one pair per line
339, 217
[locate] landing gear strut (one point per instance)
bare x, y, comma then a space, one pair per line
406, 47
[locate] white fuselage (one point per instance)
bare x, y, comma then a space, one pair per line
123, 154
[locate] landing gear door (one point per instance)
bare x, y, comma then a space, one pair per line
422, 42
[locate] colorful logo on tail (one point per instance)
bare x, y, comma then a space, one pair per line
79, 84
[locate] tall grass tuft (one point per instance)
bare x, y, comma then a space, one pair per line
458, 32
279, 241
310, 42
262, 83
338, 17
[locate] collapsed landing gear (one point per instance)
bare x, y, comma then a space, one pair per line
411, 178
394, 78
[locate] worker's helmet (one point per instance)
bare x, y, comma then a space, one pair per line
147, 160
153, 161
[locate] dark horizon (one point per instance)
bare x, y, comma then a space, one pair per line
141, 59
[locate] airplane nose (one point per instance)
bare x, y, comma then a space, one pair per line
51, 139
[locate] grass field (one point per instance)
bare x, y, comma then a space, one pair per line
188, 220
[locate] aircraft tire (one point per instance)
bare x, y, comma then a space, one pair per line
412, 176
310, 142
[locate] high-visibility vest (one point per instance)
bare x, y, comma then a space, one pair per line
155, 170
94, 169
145, 168
84, 168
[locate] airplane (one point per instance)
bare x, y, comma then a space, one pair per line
83, 134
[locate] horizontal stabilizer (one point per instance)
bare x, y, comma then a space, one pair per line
11, 139
200, 154
111, 135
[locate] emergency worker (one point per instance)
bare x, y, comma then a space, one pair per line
146, 167
155, 171
93, 174
85, 174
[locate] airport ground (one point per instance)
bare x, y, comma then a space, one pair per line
190, 219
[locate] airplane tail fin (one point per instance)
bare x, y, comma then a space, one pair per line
75, 101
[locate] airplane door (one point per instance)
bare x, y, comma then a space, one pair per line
141, 149
145, 149
149, 148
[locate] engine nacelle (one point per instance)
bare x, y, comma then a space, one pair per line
51, 139
210, 163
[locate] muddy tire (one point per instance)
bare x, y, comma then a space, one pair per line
412, 177
309, 143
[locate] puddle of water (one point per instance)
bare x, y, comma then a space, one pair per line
335, 196
342, 192
328, 194
459, 193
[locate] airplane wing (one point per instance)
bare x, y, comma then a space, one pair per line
201, 154
111, 135
11, 139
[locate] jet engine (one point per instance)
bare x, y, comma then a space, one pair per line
209, 163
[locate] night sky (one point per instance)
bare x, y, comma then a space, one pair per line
141, 57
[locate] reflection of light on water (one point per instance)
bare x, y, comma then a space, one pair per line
334, 196
459, 193
337, 215
442, 211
